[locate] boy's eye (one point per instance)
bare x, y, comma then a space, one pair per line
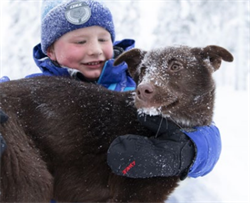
102, 40
81, 42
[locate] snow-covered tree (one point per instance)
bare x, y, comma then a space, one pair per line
125, 15
151, 24
201, 23
21, 21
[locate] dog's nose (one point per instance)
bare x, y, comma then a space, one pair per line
145, 91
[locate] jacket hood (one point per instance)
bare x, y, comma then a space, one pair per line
46, 65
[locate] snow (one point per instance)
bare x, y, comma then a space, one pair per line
194, 23
152, 111
229, 181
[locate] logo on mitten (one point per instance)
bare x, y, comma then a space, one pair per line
131, 165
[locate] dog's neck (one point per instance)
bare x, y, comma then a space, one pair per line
199, 112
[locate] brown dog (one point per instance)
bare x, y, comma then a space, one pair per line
59, 129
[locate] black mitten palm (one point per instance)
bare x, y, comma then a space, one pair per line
169, 153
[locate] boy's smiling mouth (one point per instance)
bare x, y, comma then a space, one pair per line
94, 64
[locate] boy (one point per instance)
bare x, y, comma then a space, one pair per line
77, 40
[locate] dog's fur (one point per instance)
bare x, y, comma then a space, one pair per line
59, 129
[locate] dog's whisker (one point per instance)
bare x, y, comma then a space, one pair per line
176, 123
157, 133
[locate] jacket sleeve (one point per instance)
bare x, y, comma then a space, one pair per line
208, 149
4, 79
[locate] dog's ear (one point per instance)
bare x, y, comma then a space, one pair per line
133, 58
214, 54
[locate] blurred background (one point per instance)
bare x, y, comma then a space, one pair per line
153, 24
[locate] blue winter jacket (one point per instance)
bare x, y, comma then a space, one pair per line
208, 148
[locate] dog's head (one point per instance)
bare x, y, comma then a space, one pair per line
175, 81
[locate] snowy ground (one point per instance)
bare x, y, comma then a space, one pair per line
229, 181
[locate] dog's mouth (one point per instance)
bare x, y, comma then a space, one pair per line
153, 100
154, 108
152, 111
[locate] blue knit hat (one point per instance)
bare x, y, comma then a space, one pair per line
62, 16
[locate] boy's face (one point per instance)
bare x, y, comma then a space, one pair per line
85, 50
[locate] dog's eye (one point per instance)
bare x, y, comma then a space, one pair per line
175, 66
143, 70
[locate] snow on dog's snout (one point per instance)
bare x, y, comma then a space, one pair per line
153, 80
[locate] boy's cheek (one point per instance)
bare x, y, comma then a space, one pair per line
109, 52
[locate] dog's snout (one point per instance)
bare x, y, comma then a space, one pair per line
145, 91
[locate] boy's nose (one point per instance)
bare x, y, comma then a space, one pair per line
94, 49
